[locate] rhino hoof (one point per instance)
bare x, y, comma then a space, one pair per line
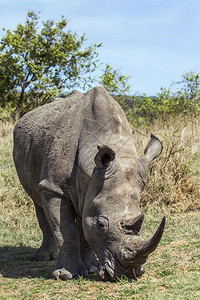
38, 256
42, 255
93, 269
62, 274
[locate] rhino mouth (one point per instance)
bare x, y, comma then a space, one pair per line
113, 269
107, 272
127, 262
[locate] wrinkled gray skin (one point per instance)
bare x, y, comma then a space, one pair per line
77, 159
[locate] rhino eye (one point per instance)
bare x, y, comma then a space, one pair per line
102, 223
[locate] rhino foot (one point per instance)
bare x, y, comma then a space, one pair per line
66, 274
62, 274
43, 254
89, 258
91, 263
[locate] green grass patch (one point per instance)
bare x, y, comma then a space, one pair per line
172, 271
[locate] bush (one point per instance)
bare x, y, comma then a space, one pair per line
185, 101
173, 178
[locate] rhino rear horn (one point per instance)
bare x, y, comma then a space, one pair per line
104, 156
133, 224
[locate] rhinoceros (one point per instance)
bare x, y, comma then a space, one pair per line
77, 159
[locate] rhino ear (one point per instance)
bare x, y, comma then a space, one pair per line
152, 150
104, 156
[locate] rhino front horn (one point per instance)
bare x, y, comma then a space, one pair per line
150, 245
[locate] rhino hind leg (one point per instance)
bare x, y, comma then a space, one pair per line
48, 249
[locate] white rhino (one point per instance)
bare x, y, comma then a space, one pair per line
77, 159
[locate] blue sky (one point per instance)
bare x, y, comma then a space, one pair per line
153, 41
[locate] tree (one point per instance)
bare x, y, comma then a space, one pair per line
38, 62
114, 82
183, 99
189, 86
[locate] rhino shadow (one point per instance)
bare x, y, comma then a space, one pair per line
17, 262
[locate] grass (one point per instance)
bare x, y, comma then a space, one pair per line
172, 271
174, 177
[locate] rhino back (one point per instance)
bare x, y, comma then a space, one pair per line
35, 137
55, 145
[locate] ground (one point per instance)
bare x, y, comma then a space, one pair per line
173, 269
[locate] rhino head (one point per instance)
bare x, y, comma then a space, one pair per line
112, 220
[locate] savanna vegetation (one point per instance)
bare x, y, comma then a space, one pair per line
173, 185
40, 60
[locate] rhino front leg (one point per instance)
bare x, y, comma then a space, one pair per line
48, 250
87, 255
61, 216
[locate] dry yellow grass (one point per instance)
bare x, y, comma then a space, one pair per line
172, 271
11, 192
174, 177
